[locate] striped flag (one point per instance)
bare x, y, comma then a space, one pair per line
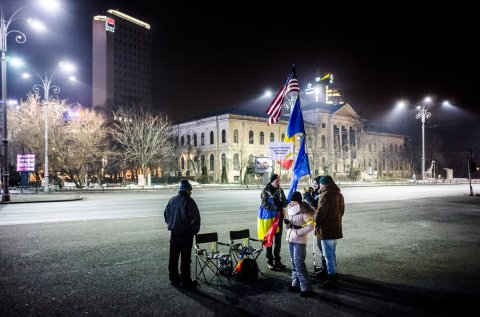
291, 85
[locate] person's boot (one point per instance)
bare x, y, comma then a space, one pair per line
331, 281
321, 272
279, 265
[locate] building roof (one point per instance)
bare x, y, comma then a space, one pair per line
257, 108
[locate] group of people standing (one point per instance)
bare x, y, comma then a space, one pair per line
321, 210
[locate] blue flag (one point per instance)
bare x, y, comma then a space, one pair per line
302, 168
295, 125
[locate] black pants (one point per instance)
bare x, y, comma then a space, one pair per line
180, 246
277, 245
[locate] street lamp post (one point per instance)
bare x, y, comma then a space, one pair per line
46, 85
20, 38
423, 114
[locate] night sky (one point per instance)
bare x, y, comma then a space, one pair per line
208, 56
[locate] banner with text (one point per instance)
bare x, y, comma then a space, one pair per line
281, 150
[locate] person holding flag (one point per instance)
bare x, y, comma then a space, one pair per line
273, 201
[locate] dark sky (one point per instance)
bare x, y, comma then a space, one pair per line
210, 56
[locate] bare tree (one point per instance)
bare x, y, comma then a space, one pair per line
142, 136
28, 122
240, 148
81, 145
74, 142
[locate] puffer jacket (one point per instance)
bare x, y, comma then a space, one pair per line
328, 218
182, 214
301, 224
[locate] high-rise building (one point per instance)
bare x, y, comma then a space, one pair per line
121, 64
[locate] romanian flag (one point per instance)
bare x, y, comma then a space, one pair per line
265, 220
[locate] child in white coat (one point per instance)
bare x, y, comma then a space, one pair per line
299, 222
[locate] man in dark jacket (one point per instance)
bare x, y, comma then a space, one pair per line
183, 219
328, 224
273, 198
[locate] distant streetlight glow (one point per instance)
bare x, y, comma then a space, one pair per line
268, 93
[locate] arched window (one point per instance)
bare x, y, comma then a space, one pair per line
391, 148
224, 160
195, 139
272, 137
235, 136
188, 139
369, 147
224, 136
182, 141
212, 162
323, 161
262, 138
211, 137
283, 137
182, 162
202, 161
202, 139
324, 142
375, 147
250, 137
236, 162
375, 165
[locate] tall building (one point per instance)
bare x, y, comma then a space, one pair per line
121, 64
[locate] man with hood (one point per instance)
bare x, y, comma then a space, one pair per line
183, 219
328, 224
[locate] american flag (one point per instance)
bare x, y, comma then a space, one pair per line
275, 108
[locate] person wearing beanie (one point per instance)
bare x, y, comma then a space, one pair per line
183, 219
273, 201
328, 225
299, 222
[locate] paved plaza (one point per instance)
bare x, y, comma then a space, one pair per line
398, 258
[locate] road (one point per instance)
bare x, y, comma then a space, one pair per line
150, 204
404, 253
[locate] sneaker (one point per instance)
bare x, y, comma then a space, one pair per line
279, 265
294, 289
307, 293
270, 265
190, 284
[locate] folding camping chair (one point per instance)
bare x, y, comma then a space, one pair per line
210, 262
244, 249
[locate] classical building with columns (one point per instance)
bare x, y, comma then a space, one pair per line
337, 144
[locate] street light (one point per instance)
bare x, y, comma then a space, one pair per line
423, 114
47, 84
19, 38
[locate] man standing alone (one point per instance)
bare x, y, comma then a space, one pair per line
183, 219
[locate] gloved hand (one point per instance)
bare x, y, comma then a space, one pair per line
287, 223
